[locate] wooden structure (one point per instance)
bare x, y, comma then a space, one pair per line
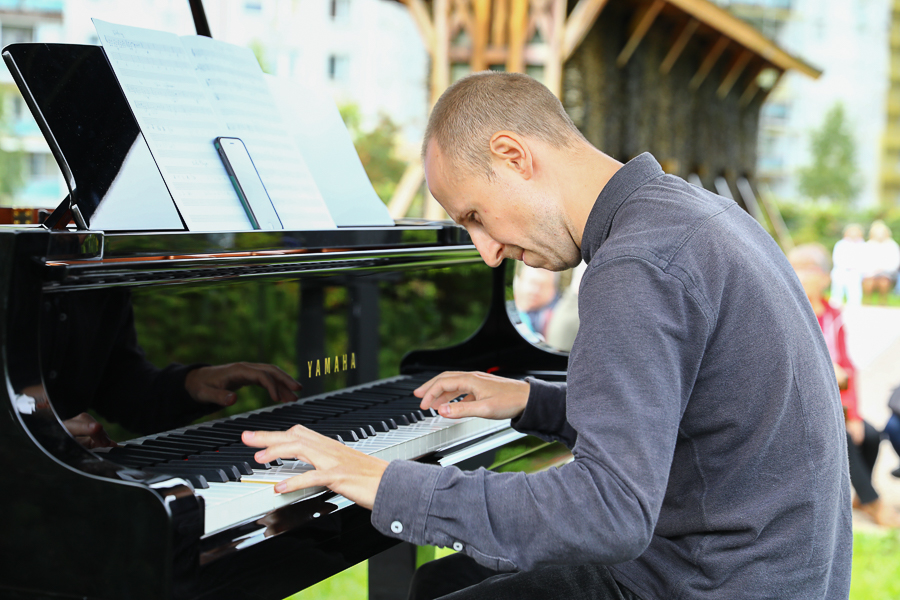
683, 79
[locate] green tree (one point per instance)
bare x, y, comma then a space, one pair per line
12, 163
377, 150
832, 173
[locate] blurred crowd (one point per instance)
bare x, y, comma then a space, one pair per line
864, 266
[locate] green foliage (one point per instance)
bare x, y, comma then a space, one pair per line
824, 222
12, 163
833, 173
377, 150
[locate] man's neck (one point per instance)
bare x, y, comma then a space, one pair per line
585, 173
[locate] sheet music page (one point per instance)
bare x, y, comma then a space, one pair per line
177, 121
314, 122
184, 94
238, 92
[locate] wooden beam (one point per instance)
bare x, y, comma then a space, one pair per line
580, 21
643, 21
407, 188
744, 34
440, 62
554, 64
752, 87
734, 71
681, 41
421, 18
499, 26
480, 32
518, 29
709, 61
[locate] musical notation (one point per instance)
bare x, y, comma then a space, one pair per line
185, 92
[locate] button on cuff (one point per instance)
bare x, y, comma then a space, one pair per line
397, 527
457, 546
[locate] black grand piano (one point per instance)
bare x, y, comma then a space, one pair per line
359, 315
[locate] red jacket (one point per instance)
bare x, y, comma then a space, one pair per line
832, 323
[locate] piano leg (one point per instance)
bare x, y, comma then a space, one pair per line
391, 572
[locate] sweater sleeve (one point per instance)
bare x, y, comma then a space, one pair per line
631, 371
545, 413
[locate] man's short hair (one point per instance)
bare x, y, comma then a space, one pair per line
477, 106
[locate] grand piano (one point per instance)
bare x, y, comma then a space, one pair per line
359, 315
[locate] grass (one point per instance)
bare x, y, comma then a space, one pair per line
876, 563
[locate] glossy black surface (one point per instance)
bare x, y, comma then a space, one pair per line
110, 530
83, 114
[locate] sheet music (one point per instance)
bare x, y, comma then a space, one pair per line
180, 114
313, 120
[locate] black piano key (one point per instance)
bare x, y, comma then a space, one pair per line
366, 398
212, 474
248, 460
238, 427
135, 450
174, 445
356, 423
133, 461
310, 411
275, 420
341, 434
207, 437
241, 466
231, 472
345, 405
206, 434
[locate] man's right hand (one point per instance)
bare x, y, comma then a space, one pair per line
487, 396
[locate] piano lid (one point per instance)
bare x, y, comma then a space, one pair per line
78, 104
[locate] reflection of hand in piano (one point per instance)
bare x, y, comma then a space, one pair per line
88, 432
347, 471
217, 384
486, 396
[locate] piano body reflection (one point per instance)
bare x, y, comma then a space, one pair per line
360, 316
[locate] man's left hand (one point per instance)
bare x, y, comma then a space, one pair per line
217, 384
341, 469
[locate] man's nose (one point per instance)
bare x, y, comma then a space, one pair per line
491, 251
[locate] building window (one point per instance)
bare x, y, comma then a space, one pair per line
41, 166
340, 10
19, 109
338, 68
16, 35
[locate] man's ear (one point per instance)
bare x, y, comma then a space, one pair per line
510, 150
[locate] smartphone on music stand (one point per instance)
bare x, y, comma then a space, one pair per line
247, 183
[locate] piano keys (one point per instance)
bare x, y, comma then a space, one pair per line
381, 420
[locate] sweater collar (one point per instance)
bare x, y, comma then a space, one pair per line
633, 174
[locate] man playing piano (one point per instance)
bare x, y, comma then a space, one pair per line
701, 406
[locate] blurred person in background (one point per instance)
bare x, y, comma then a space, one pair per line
812, 265
536, 292
849, 258
892, 429
563, 328
882, 261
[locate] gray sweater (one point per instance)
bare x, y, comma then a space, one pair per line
702, 411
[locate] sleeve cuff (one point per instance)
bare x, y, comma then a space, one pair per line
403, 500
544, 399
